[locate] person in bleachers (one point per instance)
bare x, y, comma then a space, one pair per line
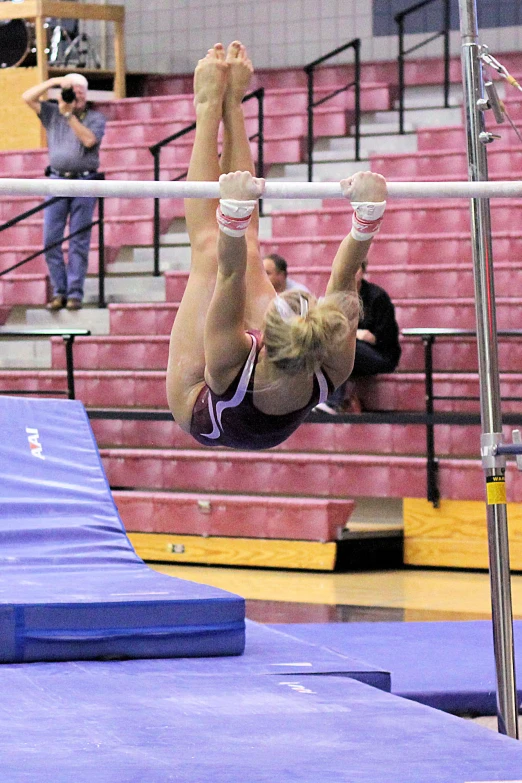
377, 349
247, 365
74, 134
277, 271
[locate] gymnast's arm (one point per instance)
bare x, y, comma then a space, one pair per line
361, 187
226, 343
365, 186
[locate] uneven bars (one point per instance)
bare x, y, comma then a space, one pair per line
273, 190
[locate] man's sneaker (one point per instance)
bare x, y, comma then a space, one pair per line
56, 304
74, 304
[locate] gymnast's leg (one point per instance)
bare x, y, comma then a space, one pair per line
237, 156
185, 373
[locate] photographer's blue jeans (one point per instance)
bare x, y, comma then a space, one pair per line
368, 361
68, 281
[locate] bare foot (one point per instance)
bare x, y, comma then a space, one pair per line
210, 77
239, 73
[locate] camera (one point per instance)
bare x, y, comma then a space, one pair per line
68, 95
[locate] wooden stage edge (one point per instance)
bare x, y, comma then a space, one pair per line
455, 534
361, 549
215, 550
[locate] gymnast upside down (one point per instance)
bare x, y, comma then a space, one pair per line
246, 366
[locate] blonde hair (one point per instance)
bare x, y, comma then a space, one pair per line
300, 331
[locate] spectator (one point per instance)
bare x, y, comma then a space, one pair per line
377, 348
74, 134
277, 271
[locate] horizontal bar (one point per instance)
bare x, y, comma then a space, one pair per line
7, 332
442, 331
273, 190
507, 448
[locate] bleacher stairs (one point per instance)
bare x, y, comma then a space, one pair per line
288, 507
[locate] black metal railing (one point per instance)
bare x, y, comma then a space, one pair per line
428, 337
400, 20
100, 222
309, 69
68, 336
155, 151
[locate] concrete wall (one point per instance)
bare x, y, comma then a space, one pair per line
169, 36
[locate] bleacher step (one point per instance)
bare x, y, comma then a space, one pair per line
93, 318
249, 516
344, 149
129, 288
423, 117
322, 172
422, 95
34, 353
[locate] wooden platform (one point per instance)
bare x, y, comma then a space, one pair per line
354, 551
455, 535
20, 128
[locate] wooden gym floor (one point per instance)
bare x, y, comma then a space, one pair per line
409, 594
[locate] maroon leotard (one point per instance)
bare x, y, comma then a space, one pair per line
231, 419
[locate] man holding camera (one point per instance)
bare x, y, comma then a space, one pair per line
74, 134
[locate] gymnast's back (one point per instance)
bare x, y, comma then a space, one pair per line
232, 419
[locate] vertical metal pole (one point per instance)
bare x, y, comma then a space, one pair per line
69, 340
494, 467
157, 227
310, 78
357, 52
447, 22
101, 253
400, 22
261, 139
432, 464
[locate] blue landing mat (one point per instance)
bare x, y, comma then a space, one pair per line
447, 665
273, 652
71, 585
117, 722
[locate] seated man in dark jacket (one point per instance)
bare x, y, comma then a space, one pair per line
377, 348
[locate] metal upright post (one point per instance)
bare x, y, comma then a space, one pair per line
157, 220
310, 111
101, 253
493, 464
400, 21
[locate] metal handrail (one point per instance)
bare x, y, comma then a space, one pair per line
100, 222
155, 150
309, 69
428, 336
399, 19
68, 336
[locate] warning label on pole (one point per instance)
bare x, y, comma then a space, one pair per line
495, 490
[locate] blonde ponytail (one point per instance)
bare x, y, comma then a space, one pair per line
300, 331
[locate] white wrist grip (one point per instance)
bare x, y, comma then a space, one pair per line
233, 216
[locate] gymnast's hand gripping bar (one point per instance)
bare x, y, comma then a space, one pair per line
273, 190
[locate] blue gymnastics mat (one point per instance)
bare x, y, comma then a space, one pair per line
122, 721
447, 665
270, 651
71, 585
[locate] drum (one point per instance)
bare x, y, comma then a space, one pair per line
17, 43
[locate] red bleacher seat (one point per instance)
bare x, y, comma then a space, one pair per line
310, 519
143, 319
24, 289
115, 352
308, 474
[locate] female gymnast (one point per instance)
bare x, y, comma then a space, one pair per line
246, 366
